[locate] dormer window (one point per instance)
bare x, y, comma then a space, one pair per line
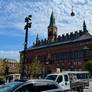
86, 51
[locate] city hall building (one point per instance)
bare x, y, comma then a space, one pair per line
62, 53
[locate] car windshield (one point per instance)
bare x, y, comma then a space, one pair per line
51, 77
10, 86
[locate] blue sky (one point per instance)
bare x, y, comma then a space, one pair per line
13, 12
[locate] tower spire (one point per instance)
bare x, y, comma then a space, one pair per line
52, 20
52, 29
84, 26
37, 38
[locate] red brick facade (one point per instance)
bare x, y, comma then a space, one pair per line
62, 55
66, 52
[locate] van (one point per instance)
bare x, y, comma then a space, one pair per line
71, 80
12, 77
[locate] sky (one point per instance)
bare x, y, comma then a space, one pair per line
13, 13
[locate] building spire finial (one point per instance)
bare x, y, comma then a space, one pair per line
84, 26
37, 37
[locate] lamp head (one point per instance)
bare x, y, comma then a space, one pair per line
30, 16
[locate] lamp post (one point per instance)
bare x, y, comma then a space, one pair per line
26, 27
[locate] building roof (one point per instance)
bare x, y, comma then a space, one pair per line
64, 39
84, 37
10, 60
80, 38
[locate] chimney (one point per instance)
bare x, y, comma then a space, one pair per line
59, 38
63, 37
76, 34
67, 36
71, 35
80, 32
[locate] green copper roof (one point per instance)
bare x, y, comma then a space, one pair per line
52, 20
37, 38
86, 48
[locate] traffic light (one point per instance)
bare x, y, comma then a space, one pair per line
6, 70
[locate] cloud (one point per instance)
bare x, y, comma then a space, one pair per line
19, 25
13, 13
10, 54
80, 1
18, 10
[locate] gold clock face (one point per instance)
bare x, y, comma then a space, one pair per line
54, 30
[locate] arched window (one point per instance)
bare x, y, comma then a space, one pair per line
86, 50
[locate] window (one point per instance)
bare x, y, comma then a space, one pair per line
37, 87
75, 62
57, 57
54, 57
41, 88
79, 54
80, 69
68, 63
13, 65
66, 77
86, 53
60, 79
63, 57
50, 34
75, 69
42, 58
86, 50
79, 63
68, 56
52, 77
74, 55
69, 69
26, 88
63, 64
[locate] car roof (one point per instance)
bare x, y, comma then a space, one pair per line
41, 81
57, 74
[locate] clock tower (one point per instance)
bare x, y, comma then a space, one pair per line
52, 29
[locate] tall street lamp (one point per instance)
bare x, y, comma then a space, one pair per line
26, 27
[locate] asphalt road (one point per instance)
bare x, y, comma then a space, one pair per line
89, 88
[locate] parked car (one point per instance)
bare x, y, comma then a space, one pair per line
32, 86
2, 82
